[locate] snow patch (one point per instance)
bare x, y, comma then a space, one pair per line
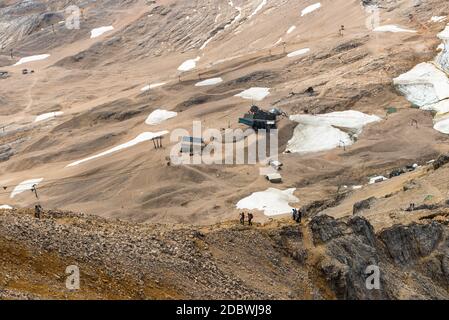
25, 186
437, 19
145, 136
5, 207
49, 115
440, 107
298, 52
271, 201
349, 119
209, 82
392, 28
291, 29
255, 93
100, 31
259, 7
152, 86
327, 131
310, 9
32, 59
188, 64
424, 84
377, 179
316, 138
442, 126
159, 115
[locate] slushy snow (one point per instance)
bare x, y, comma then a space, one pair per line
392, 28
255, 93
298, 52
32, 58
310, 9
209, 82
159, 115
49, 115
145, 136
188, 64
99, 31
25, 186
271, 201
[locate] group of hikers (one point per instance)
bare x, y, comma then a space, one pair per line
250, 218
296, 215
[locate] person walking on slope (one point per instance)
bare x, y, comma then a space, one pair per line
37, 211
250, 219
242, 218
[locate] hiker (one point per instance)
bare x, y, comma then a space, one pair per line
294, 214
10, 52
37, 211
342, 29
299, 216
250, 219
242, 218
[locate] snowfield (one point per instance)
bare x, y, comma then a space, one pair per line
25, 186
159, 115
100, 31
255, 93
424, 84
209, 82
310, 9
188, 64
392, 28
145, 136
49, 115
271, 201
31, 59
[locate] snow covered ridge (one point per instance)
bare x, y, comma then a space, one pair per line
49, 115
392, 28
310, 9
188, 64
209, 82
159, 115
327, 131
271, 201
145, 136
32, 59
25, 186
100, 31
254, 93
